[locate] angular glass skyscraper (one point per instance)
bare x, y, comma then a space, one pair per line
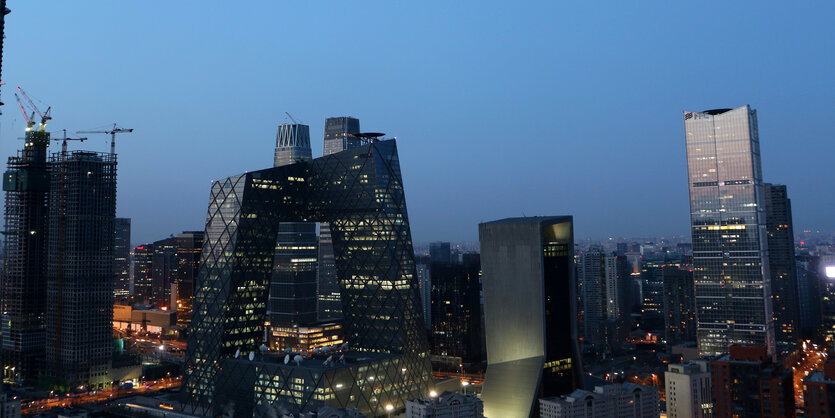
730, 250
339, 136
293, 284
359, 192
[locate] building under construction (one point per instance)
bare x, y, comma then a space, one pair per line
26, 183
79, 279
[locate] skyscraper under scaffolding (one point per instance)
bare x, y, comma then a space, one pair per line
79, 279
22, 289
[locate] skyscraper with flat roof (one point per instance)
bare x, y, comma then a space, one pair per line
121, 259
778, 211
728, 226
339, 136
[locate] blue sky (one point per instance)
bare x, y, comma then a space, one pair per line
500, 108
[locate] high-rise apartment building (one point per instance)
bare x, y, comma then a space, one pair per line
652, 292
529, 313
339, 136
79, 279
121, 259
728, 227
359, 192
425, 286
603, 299
782, 266
143, 274
688, 390
293, 284
23, 286
456, 309
189, 248
164, 274
679, 305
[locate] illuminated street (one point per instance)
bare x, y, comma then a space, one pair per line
813, 359
69, 400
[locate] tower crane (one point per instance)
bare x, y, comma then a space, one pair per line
112, 132
29, 122
45, 116
64, 142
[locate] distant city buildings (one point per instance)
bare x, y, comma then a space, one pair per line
529, 313
679, 305
728, 227
688, 390
439, 252
604, 300
627, 400
189, 249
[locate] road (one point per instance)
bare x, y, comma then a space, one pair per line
41, 405
813, 358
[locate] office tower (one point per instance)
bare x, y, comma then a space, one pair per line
447, 404
529, 313
339, 136
121, 254
164, 274
746, 383
679, 305
603, 300
627, 400
189, 248
730, 257
652, 291
781, 265
456, 309
425, 287
79, 279
439, 252
688, 390
143, 274
23, 288
359, 192
819, 392
293, 284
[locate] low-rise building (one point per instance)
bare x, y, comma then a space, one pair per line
688, 390
608, 401
154, 321
819, 392
747, 383
447, 405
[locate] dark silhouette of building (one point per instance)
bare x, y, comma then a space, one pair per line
652, 285
189, 247
529, 313
439, 252
781, 264
23, 288
456, 310
143, 274
819, 392
121, 257
809, 294
79, 315
164, 274
340, 135
679, 305
359, 193
746, 383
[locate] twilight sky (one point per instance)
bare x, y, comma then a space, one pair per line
500, 108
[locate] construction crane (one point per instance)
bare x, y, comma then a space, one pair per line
45, 116
29, 119
112, 132
64, 142
291, 117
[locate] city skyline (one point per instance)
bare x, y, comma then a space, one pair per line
433, 81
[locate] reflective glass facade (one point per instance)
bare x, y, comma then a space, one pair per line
730, 255
359, 192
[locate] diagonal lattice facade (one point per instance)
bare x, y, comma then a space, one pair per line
359, 192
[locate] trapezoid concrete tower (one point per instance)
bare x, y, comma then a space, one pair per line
728, 225
530, 317
359, 192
